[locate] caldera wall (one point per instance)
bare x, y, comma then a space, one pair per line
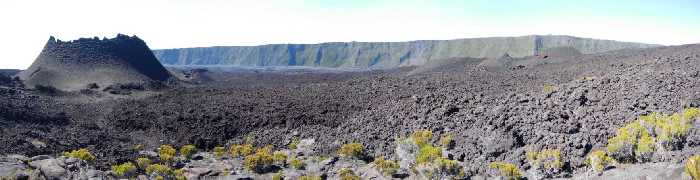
381, 54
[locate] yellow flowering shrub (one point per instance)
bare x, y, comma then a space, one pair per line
83, 154
351, 150
124, 170
507, 170
387, 167
166, 153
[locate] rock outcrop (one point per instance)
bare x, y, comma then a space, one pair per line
74, 65
382, 54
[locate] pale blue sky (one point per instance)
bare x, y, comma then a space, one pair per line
27, 24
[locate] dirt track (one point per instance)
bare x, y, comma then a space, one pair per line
494, 111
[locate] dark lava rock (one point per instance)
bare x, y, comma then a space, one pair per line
494, 114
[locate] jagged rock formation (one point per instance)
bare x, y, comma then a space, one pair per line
382, 54
73, 65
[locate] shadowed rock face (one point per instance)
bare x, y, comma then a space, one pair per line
382, 54
75, 64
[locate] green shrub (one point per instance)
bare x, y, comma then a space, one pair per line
293, 145
277, 176
143, 162
448, 166
691, 113
639, 139
428, 153
646, 145
83, 154
219, 152
692, 167
279, 157
260, 160
347, 174
598, 161
248, 139
179, 174
310, 177
422, 138
547, 162
296, 163
239, 150
188, 150
671, 131
387, 167
507, 170
351, 150
622, 146
446, 141
548, 88
166, 153
162, 170
124, 170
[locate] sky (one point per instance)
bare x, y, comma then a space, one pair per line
25, 25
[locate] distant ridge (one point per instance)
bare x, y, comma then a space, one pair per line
73, 65
383, 54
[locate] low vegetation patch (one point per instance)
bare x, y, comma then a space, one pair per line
447, 141
296, 163
166, 153
429, 162
179, 174
549, 88
692, 167
507, 170
422, 137
241, 150
188, 150
219, 152
260, 160
547, 162
83, 154
310, 177
279, 157
387, 167
124, 170
351, 150
598, 161
638, 140
278, 176
143, 163
159, 169
428, 153
348, 174
293, 145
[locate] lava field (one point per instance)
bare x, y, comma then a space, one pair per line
496, 109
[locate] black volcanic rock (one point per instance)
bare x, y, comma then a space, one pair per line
75, 64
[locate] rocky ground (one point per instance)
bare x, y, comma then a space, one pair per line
496, 111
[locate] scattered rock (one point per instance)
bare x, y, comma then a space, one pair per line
50, 168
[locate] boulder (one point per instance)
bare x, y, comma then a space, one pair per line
50, 168
11, 169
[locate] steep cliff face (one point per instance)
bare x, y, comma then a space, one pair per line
381, 54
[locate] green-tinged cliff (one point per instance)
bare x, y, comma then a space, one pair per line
381, 54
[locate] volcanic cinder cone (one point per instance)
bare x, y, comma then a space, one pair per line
75, 64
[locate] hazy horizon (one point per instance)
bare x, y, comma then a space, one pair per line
165, 24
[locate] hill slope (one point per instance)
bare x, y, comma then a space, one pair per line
75, 64
382, 54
